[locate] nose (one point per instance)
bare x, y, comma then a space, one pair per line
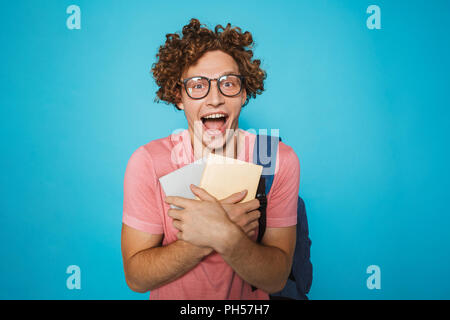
214, 97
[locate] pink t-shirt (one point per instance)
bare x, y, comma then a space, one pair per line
144, 209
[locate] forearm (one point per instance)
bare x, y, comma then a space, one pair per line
264, 267
154, 267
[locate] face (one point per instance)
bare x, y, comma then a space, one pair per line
212, 133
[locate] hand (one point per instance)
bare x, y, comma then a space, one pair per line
203, 222
245, 214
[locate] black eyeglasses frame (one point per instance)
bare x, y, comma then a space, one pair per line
241, 77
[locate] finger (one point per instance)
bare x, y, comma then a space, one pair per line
254, 225
202, 193
253, 215
177, 224
175, 214
251, 233
235, 197
179, 201
251, 226
245, 219
249, 205
180, 235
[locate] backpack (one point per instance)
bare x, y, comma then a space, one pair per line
300, 278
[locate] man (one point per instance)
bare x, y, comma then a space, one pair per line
207, 249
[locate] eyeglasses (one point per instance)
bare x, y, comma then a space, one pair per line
229, 85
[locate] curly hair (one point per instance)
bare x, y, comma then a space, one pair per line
179, 53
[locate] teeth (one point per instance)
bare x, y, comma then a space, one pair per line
214, 116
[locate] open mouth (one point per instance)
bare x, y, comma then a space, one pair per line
215, 123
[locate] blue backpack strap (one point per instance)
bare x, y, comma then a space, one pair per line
265, 154
300, 279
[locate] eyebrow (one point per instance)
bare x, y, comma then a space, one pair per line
221, 75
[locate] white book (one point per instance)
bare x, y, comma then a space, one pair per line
177, 182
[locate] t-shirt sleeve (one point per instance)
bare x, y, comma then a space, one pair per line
283, 196
140, 204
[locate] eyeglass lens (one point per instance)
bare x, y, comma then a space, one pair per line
198, 87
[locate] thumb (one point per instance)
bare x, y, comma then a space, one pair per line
201, 193
235, 197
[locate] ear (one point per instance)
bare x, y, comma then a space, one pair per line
179, 104
244, 97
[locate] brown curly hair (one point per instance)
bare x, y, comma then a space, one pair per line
179, 53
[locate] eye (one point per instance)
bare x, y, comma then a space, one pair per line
197, 84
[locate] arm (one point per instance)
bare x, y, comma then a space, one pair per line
205, 223
148, 266
265, 266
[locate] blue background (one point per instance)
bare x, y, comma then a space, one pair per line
367, 112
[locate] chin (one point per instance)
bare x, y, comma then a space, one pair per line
219, 142
216, 142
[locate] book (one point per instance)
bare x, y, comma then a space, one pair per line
223, 176
176, 183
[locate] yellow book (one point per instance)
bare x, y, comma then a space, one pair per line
224, 176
